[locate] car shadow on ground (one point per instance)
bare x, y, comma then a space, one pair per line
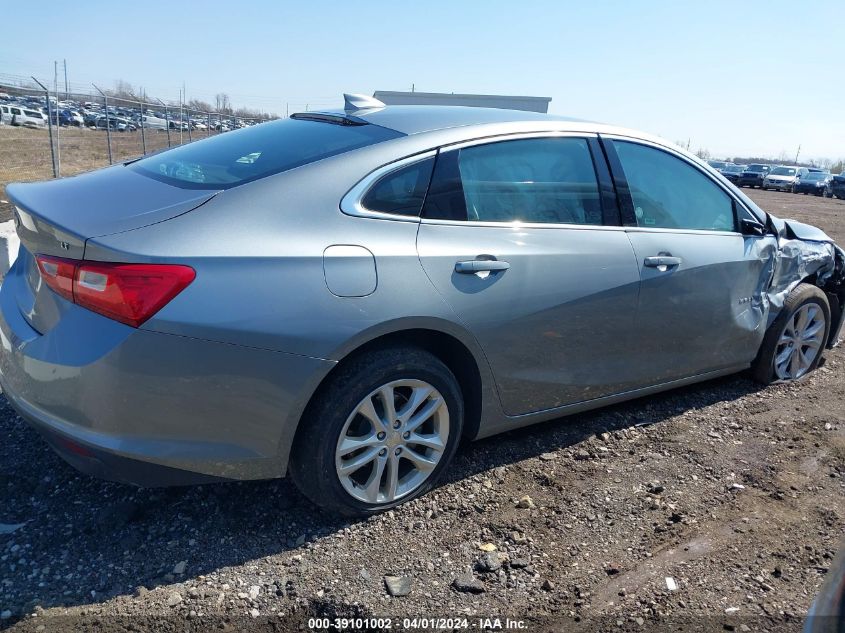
86, 540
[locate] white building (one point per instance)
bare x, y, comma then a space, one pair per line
530, 104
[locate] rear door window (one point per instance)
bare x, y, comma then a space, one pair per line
540, 180
232, 159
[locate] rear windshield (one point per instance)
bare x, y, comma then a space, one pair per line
237, 157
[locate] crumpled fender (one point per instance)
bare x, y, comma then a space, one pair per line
803, 252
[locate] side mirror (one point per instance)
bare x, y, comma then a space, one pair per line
751, 227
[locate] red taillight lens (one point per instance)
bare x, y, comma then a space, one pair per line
58, 273
129, 293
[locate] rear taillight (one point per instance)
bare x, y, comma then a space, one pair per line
58, 273
129, 293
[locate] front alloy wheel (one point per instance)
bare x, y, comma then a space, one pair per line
800, 342
793, 344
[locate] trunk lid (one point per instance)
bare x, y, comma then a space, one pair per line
57, 217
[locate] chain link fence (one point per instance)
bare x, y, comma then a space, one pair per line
47, 135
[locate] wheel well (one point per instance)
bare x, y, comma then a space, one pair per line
451, 352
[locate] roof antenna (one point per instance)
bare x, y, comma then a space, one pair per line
360, 102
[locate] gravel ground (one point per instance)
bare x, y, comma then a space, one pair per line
718, 506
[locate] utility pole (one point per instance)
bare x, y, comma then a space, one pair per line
181, 116
141, 121
166, 119
796, 154
58, 137
67, 92
108, 122
49, 126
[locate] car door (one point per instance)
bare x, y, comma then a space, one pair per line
522, 239
701, 298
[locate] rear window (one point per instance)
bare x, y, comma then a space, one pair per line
238, 157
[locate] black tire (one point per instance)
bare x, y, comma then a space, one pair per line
312, 464
762, 369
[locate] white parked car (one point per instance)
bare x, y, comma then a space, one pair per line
783, 178
153, 122
18, 115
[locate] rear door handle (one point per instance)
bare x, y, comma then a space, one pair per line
472, 266
662, 262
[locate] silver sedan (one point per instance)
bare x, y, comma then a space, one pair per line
342, 296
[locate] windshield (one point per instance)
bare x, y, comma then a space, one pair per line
756, 167
814, 175
716, 164
254, 152
783, 171
734, 169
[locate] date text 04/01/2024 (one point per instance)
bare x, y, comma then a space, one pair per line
451, 624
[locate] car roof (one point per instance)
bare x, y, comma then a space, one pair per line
419, 119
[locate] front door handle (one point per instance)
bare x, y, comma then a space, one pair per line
473, 266
662, 262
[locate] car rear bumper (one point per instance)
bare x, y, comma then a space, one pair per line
148, 408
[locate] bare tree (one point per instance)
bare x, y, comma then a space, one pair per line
222, 104
202, 106
123, 89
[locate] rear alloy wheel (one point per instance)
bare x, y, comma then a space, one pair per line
793, 345
392, 441
380, 432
